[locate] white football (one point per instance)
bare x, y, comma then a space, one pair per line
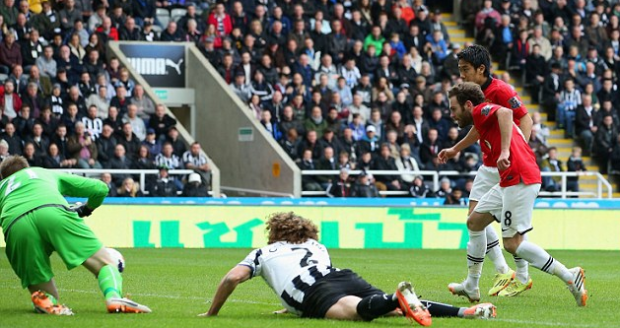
118, 259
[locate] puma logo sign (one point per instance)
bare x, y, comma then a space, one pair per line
155, 66
174, 65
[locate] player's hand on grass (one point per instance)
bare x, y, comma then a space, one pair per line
503, 162
447, 154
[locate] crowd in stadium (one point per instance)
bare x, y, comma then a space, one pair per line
341, 85
68, 104
363, 84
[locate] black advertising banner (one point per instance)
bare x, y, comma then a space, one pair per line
159, 65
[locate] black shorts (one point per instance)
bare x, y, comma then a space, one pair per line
334, 286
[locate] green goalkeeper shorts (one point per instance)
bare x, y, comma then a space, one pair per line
33, 237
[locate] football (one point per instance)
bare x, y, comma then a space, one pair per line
118, 259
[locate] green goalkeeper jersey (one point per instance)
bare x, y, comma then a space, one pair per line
32, 187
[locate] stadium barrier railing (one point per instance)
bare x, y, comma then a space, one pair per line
604, 188
95, 173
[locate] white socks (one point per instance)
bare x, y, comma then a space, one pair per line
494, 252
476, 247
540, 259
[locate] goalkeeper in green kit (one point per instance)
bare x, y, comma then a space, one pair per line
36, 221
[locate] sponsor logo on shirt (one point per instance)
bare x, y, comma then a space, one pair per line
514, 102
486, 109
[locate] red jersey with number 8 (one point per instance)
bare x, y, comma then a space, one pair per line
523, 167
499, 92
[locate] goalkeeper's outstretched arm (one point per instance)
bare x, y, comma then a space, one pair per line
77, 186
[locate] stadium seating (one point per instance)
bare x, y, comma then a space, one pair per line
324, 78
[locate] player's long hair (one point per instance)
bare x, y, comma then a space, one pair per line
476, 55
11, 165
291, 228
467, 91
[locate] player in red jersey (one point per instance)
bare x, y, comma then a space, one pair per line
511, 200
474, 64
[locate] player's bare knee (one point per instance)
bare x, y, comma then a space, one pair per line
511, 245
476, 222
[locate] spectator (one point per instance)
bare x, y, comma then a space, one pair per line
10, 54
570, 98
106, 144
24, 122
167, 157
48, 122
129, 140
584, 123
309, 182
194, 187
385, 162
365, 187
178, 145
129, 31
92, 124
455, 197
10, 100
106, 30
75, 46
536, 70
165, 186
574, 164
151, 143
341, 188
552, 164
120, 101
114, 120
316, 122
419, 189
328, 162
40, 141
129, 189
93, 65
47, 21
46, 63
603, 143
99, 101
221, 20
137, 124
31, 156
107, 179
83, 149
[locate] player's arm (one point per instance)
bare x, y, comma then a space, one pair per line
234, 277
77, 186
504, 119
470, 139
525, 124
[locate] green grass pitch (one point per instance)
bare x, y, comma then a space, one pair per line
178, 284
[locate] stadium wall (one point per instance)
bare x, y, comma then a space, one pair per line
254, 160
114, 49
353, 223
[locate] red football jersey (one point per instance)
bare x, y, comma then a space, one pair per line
523, 165
499, 92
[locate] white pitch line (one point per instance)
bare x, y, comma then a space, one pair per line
548, 323
175, 297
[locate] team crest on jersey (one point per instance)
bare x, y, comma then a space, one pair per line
514, 102
486, 109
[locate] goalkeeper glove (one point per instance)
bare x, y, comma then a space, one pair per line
83, 210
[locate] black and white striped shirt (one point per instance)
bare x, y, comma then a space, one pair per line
189, 158
290, 269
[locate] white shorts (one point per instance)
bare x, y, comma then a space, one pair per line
485, 179
511, 206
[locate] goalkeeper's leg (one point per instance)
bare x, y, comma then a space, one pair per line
111, 284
